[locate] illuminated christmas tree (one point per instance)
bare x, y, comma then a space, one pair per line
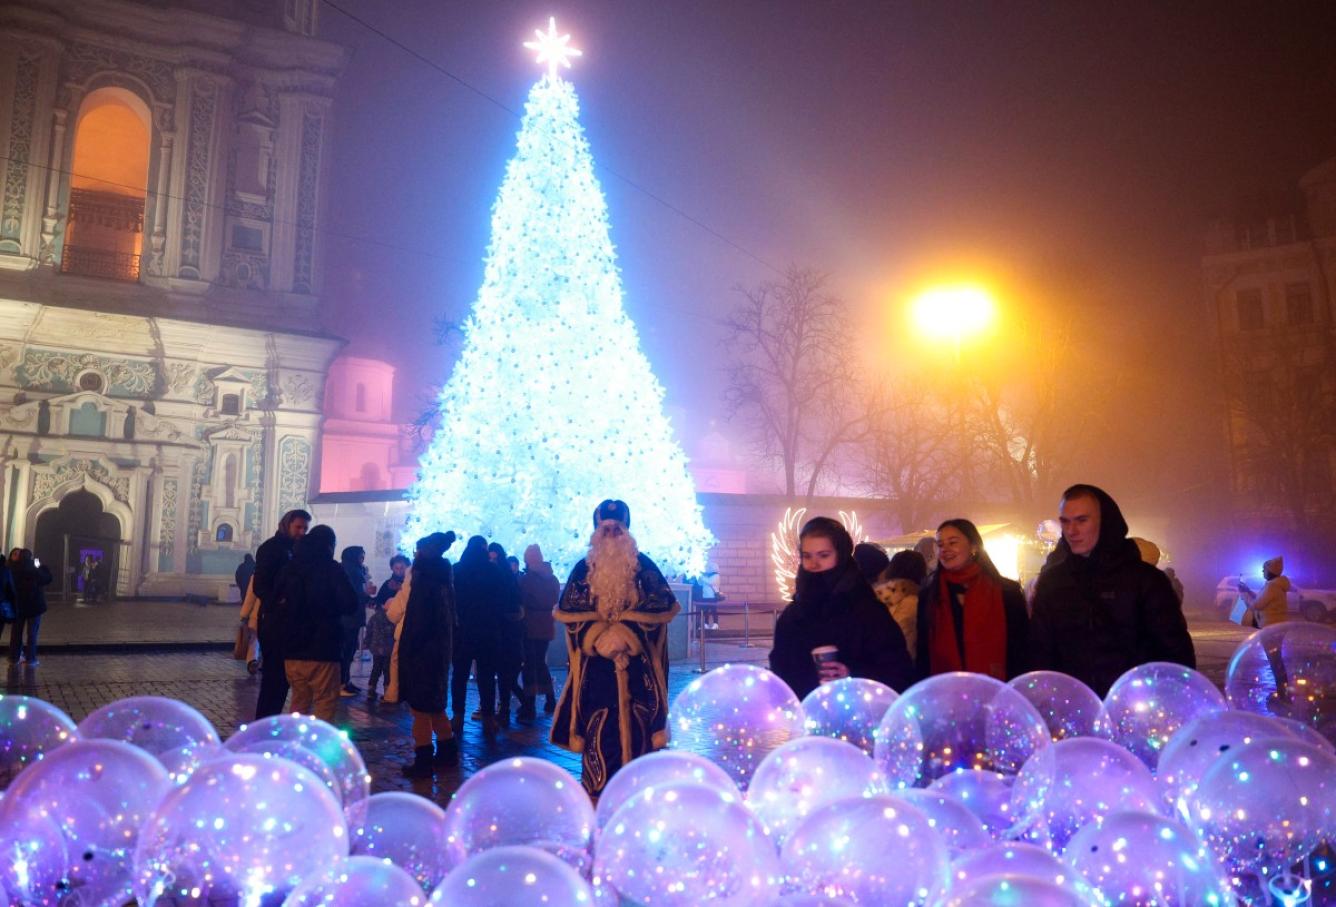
552, 406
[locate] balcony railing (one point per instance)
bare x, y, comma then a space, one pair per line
90, 262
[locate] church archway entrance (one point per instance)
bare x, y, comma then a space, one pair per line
81, 543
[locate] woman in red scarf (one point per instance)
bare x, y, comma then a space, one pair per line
971, 618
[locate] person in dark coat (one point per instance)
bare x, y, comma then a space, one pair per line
482, 589
1098, 608
970, 617
312, 599
425, 651
8, 599
539, 591
26, 585
271, 557
834, 606
353, 559
871, 560
510, 655
245, 570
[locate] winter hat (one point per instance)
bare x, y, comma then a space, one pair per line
871, 560
613, 510
908, 565
436, 544
1275, 566
1149, 551
533, 557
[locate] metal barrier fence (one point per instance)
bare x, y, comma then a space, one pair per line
745, 608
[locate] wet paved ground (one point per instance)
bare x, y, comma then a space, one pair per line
212, 682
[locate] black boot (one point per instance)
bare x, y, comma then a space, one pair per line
447, 752
421, 766
528, 711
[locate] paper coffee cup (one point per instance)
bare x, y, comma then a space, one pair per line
823, 654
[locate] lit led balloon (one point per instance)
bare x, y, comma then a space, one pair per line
1196, 746
513, 876
523, 801
99, 792
352, 784
1138, 858
183, 760
986, 794
735, 716
1266, 805
662, 767
957, 721
33, 861
409, 831
1068, 707
358, 882
873, 850
241, 828
805, 774
1013, 891
848, 709
1287, 670
29, 728
155, 724
959, 828
684, 844
1015, 858
1077, 781
1151, 701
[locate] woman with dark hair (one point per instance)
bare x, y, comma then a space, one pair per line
353, 560
481, 591
971, 618
29, 599
835, 611
510, 655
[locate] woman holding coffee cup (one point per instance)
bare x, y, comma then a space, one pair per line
835, 626
971, 618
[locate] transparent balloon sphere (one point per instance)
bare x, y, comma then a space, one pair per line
1012, 858
1196, 746
1141, 858
155, 724
409, 831
1287, 671
1012, 891
960, 828
735, 716
986, 794
182, 761
29, 728
99, 792
957, 721
357, 882
351, 783
522, 801
1151, 701
874, 850
808, 773
33, 861
1267, 804
1068, 706
1077, 781
809, 900
683, 844
661, 767
241, 826
513, 876
848, 709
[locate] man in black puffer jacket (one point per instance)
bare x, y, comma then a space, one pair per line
1099, 609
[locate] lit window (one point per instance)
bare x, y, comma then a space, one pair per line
224, 533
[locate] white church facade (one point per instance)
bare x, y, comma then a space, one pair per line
162, 367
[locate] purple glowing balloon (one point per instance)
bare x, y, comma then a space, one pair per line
1151, 701
1068, 707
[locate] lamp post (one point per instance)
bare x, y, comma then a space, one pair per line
954, 312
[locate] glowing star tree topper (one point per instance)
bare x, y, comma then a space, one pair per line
551, 406
553, 49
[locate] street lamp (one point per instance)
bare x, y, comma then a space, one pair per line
954, 312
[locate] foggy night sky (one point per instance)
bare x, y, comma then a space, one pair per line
880, 142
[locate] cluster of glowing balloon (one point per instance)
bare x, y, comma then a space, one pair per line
848, 709
683, 844
1077, 781
1287, 670
99, 792
1151, 701
871, 850
808, 773
957, 721
1068, 706
521, 801
1141, 858
356, 882
241, 827
662, 767
735, 716
408, 831
29, 729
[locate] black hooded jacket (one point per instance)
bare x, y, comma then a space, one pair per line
484, 594
425, 646
1096, 617
312, 596
838, 608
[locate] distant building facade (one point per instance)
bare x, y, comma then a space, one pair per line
362, 448
161, 363
1269, 287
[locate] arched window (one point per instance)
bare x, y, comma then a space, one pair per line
224, 533
108, 184
361, 398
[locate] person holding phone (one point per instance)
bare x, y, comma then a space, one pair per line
835, 626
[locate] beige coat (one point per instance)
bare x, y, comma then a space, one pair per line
395, 609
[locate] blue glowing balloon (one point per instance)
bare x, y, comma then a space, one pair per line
1151, 701
155, 724
1287, 670
1068, 707
1138, 858
1196, 745
29, 728
513, 876
848, 709
33, 861
358, 882
986, 794
805, 774
409, 831
960, 828
661, 767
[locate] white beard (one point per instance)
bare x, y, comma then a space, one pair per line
613, 563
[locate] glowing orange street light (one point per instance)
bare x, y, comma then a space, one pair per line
954, 312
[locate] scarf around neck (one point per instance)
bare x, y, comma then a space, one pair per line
985, 625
